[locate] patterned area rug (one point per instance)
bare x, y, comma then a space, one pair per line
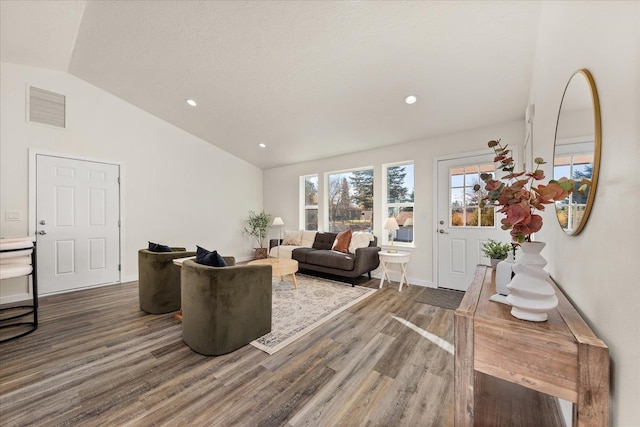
296, 312
445, 298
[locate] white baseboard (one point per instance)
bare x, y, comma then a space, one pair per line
129, 279
77, 289
412, 281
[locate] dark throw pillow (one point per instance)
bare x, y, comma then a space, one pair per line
156, 247
212, 259
324, 241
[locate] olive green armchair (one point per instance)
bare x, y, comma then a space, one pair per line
159, 280
224, 308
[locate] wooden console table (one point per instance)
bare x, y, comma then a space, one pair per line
560, 357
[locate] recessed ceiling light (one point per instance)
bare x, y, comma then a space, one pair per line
191, 102
411, 99
261, 145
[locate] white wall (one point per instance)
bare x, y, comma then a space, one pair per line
176, 188
599, 269
281, 184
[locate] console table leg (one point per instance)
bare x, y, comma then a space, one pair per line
464, 379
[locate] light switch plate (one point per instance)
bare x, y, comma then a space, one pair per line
13, 216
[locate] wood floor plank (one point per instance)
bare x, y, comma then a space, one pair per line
96, 359
323, 406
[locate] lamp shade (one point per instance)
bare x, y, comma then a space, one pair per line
391, 224
277, 221
408, 222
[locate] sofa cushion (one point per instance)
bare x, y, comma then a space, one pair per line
308, 237
360, 240
285, 251
212, 259
324, 241
343, 239
292, 238
156, 247
300, 254
330, 259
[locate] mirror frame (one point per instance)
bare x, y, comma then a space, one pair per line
596, 148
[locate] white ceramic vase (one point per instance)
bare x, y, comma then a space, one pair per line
530, 294
503, 274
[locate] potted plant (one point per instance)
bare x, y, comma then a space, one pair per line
258, 225
497, 251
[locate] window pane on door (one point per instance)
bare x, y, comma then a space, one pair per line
465, 201
457, 217
487, 216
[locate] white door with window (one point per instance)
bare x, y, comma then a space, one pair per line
77, 229
462, 226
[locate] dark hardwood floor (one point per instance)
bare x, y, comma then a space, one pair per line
97, 360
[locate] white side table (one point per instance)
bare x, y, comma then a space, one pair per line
387, 258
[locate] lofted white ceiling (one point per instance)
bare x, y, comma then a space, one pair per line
310, 79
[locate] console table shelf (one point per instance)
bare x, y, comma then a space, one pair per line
560, 357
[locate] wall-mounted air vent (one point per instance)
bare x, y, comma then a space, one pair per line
46, 107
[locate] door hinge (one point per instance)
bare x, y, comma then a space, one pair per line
119, 223
118, 180
119, 267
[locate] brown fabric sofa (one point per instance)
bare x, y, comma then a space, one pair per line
322, 259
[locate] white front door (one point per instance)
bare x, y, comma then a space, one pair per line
462, 227
77, 230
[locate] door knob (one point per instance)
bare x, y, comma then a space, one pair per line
42, 232
43, 222
441, 231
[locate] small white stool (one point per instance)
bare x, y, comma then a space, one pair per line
387, 258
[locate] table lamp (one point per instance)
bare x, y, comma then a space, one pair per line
277, 222
392, 225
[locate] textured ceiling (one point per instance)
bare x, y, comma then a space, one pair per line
309, 79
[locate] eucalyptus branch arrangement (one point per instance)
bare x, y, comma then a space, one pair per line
517, 194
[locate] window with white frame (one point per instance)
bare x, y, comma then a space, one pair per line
309, 192
464, 200
350, 200
573, 161
398, 202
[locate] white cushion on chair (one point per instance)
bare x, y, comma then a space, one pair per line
14, 254
8, 271
15, 243
23, 260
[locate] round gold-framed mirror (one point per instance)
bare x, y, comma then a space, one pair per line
577, 149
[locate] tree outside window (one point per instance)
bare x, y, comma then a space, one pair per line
399, 200
310, 208
350, 200
464, 200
